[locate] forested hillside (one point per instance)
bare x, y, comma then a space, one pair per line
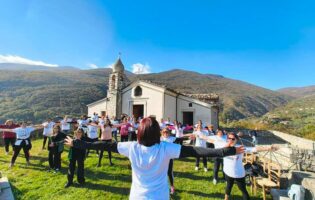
34, 93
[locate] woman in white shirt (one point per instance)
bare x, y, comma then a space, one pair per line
200, 143
219, 141
234, 169
92, 133
48, 129
23, 141
65, 125
150, 158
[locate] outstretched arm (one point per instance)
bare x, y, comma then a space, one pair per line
267, 148
189, 151
100, 145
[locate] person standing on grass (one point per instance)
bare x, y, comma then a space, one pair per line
200, 143
23, 141
9, 136
48, 129
124, 129
106, 136
150, 158
114, 122
76, 156
55, 148
92, 133
219, 140
132, 136
166, 137
233, 166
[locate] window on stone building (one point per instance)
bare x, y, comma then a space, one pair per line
113, 81
190, 105
138, 91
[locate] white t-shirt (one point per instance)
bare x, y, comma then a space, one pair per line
82, 122
200, 142
65, 126
233, 165
219, 142
23, 133
92, 131
149, 168
48, 128
94, 118
179, 132
101, 122
114, 123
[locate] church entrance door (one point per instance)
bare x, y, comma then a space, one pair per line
138, 111
188, 118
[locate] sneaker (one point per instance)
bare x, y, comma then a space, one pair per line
205, 169
28, 163
11, 165
68, 184
172, 189
6, 153
196, 168
214, 181
56, 171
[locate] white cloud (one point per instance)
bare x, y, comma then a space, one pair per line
94, 66
21, 60
139, 68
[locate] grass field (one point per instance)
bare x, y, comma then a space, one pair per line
34, 182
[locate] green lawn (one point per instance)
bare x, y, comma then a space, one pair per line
107, 182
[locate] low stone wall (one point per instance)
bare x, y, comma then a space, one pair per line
295, 141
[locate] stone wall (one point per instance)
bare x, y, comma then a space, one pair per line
295, 141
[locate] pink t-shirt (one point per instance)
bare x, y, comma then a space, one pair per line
124, 129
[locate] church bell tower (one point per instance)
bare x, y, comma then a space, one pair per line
115, 86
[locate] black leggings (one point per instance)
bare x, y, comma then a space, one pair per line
109, 154
132, 136
25, 148
7, 142
54, 158
240, 183
91, 140
170, 172
217, 163
124, 138
204, 160
44, 141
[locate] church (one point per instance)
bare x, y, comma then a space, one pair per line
142, 98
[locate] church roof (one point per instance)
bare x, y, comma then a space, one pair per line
118, 66
207, 98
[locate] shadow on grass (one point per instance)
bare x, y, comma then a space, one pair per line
96, 175
102, 187
209, 196
191, 176
16, 192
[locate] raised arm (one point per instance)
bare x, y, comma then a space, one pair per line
7, 130
189, 151
267, 148
100, 145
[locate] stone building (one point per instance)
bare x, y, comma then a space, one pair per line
143, 98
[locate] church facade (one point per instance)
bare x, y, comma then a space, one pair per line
142, 98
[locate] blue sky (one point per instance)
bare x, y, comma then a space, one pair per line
268, 43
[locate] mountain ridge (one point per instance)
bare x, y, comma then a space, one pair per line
66, 91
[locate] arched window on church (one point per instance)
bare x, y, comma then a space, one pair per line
113, 81
138, 91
